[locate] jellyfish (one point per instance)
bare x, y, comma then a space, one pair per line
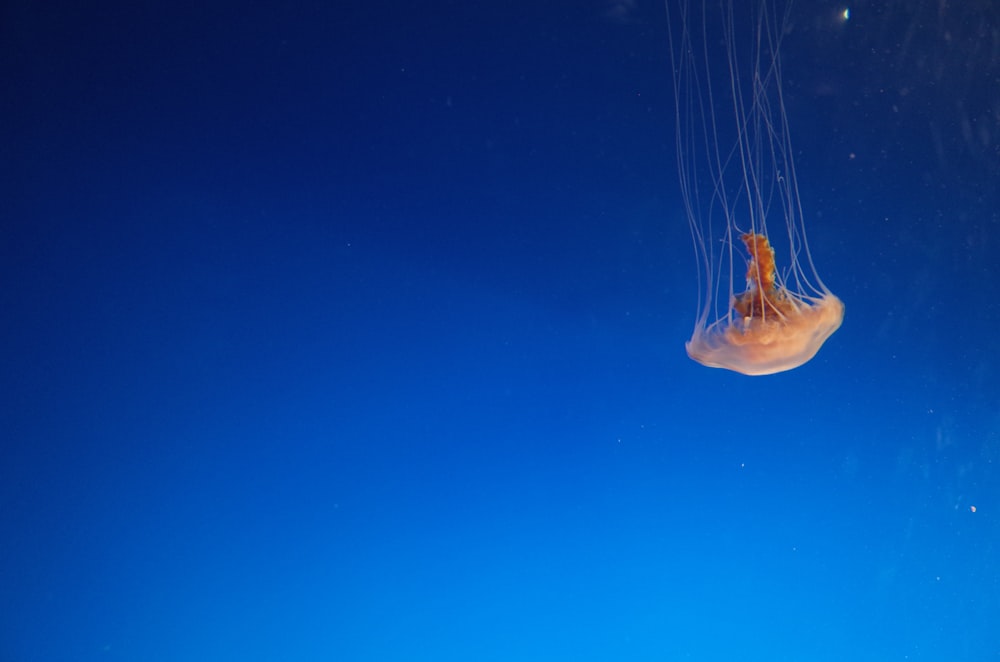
737, 174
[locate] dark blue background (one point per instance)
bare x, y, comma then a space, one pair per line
354, 331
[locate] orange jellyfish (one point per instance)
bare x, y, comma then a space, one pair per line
737, 172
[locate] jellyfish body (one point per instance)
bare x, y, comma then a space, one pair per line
773, 329
734, 157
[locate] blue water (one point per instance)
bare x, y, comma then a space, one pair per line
356, 332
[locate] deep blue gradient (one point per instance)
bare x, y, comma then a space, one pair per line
355, 331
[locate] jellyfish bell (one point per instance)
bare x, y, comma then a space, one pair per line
773, 329
734, 157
